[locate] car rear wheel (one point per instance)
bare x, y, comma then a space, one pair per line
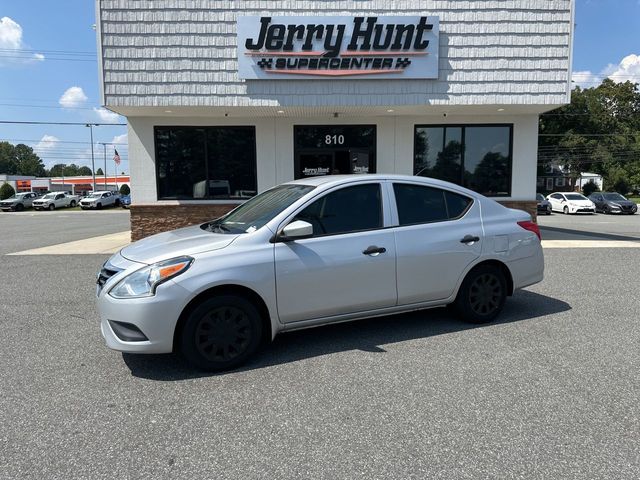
482, 294
221, 333
51, 207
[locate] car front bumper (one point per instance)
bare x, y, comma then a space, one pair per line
155, 317
87, 205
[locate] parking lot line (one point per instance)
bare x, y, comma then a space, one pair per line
103, 244
590, 244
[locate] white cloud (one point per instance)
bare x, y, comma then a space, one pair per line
122, 139
627, 69
105, 115
13, 46
585, 79
73, 97
47, 143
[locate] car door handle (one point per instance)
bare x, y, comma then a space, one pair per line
374, 251
469, 239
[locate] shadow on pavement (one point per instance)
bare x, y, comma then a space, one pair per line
583, 233
366, 335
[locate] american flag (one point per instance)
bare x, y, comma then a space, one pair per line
116, 157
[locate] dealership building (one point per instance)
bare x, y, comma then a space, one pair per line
225, 99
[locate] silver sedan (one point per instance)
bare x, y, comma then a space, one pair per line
312, 252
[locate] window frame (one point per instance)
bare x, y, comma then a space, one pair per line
463, 127
384, 206
443, 190
253, 170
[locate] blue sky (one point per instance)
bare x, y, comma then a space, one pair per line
43, 33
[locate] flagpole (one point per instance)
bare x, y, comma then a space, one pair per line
105, 165
116, 165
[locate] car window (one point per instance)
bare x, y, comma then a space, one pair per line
349, 209
105, 195
421, 204
58, 197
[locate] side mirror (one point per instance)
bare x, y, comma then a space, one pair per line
296, 230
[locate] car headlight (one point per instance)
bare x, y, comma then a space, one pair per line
143, 282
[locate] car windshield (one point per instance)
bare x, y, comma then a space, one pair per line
49, 195
255, 213
575, 196
614, 196
95, 195
540, 197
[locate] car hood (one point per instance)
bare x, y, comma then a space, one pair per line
586, 203
184, 241
622, 203
9, 201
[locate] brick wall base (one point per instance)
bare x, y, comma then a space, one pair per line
148, 220
529, 206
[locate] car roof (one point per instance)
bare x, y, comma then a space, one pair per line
330, 180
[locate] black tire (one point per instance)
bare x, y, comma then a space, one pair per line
99, 206
565, 210
482, 295
117, 203
19, 207
606, 210
51, 207
72, 204
231, 320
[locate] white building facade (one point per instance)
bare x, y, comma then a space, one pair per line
225, 99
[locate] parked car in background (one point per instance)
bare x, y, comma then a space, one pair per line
100, 200
311, 252
543, 204
18, 202
125, 201
570, 202
54, 200
612, 202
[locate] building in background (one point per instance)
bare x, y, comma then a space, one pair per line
226, 99
77, 185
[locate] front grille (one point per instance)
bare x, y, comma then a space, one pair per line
106, 272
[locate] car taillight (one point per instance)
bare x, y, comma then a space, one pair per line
532, 227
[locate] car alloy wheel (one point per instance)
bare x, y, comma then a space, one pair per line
19, 207
221, 333
72, 204
482, 294
52, 207
565, 210
99, 206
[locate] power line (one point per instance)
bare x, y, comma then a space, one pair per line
84, 124
54, 141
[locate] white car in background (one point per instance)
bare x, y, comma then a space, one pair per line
54, 200
100, 200
312, 252
18, 202
571, 202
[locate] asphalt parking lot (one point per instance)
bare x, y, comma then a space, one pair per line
549, 391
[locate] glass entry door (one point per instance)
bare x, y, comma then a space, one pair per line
334, 150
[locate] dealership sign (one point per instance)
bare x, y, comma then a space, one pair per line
337, 47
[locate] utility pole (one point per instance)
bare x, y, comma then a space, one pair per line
105, 163
93, 163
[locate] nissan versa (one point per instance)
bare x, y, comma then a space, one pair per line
312, 252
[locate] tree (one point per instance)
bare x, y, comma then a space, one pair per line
598, 132
6, 191
125, 190
84, 171
589, 188
99, 172
58, 170
20, 160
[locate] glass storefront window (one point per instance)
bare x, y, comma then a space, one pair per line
334, 149
205, 162
477, 157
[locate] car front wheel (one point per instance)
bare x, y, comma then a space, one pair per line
482, 294
51, 207
565, 210
221, 333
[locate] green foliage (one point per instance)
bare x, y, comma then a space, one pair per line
125, 190
589, 188
6, 191
84, 171
20, 160
598, 132
99, 172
